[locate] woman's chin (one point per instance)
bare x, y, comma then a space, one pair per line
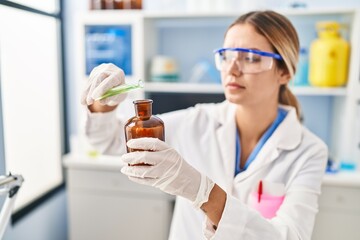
234, 95
235, 98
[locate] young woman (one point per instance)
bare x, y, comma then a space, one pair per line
242, 169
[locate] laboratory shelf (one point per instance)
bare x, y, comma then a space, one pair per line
183, 87
213, 14
318, 91
236, 13
176, 19
169, 87
190, 37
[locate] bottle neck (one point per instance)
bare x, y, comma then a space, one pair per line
329, 34
143, 108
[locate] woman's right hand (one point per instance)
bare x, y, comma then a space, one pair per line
101, 79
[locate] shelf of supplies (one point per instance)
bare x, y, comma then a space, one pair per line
214, 14
318, 91
223, 18
168, 87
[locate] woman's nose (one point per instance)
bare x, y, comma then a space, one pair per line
234, 68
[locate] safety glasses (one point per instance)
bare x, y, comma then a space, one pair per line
247, 60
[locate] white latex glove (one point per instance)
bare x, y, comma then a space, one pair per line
166, 170
101, 79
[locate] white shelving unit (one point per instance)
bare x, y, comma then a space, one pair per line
162, 29
187, 36
170, 87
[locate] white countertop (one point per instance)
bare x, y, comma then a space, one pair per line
112, 163
106, 163
344, 178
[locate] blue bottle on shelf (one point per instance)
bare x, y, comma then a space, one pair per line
301, 76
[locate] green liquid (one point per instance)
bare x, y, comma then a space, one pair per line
124, 88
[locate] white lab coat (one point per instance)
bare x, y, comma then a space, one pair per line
205, 136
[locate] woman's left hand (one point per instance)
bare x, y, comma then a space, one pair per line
165, 169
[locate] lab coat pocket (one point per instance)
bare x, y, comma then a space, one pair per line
267, 205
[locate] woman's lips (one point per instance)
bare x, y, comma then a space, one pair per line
234, 86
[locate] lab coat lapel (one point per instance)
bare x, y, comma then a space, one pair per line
225, 136
266, 155
287, 136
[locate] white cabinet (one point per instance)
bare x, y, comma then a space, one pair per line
339, 208
105, 204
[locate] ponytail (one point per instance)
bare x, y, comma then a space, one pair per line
286, 97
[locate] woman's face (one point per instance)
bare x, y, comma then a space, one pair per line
256, 88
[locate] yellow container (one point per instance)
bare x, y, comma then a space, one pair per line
329, 57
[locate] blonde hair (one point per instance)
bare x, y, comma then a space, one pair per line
281, 34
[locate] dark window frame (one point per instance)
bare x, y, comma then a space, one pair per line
24, 211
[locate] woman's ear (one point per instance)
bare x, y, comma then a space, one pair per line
284, 76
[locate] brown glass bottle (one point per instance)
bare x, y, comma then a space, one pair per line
144, 124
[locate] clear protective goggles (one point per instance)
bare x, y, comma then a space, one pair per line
247, 60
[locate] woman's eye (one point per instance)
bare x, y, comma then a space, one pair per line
223, 56
252, 59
